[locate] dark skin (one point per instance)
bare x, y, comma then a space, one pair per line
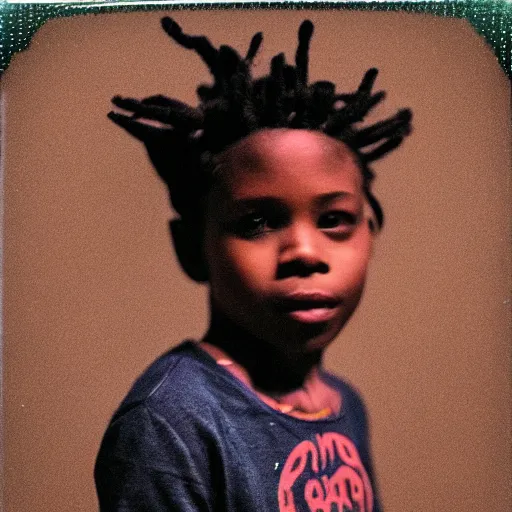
285, 250
275, 377
271, 371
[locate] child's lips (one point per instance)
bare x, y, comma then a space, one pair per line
309, 306
313, 315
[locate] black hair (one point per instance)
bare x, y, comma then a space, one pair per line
184, 145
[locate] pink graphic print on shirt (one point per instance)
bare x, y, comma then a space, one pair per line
337, 477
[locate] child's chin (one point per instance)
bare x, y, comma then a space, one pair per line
319, 343
311, 339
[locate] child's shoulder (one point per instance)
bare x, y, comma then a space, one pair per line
178, 378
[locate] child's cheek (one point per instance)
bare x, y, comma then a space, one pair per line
252, 261
246, 264
362, 243
353, 262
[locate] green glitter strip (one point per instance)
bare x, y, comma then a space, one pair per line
492, 19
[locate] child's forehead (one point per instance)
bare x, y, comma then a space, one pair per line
281, 150
293, 165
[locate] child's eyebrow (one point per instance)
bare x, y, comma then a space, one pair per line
258, 201
333, 196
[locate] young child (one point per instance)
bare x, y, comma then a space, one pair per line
271, 182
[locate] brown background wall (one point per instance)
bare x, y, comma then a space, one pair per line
93, 292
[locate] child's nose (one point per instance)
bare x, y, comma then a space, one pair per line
301, 252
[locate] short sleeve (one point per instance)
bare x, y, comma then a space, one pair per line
143, 465
361, 419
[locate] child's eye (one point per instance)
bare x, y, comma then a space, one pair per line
253, 225
337, 221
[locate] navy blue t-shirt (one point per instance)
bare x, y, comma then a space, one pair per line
191, 437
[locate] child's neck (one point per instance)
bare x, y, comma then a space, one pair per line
293, 380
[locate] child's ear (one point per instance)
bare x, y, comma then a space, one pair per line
188, 244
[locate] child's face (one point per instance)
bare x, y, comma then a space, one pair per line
287, 244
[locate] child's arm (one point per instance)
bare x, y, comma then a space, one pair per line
144, 466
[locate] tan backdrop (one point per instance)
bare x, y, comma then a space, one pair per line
93, 292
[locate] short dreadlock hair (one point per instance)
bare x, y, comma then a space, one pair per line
185, 145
